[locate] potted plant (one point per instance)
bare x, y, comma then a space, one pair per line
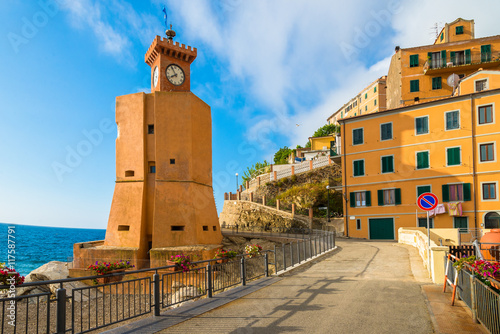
181, 262
109, 268
253, 250
485, 270
9, 276
224, 256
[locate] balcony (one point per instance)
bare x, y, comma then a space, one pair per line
461, 63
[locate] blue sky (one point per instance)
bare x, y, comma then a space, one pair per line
263, 67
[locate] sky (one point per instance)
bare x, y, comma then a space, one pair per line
263, 66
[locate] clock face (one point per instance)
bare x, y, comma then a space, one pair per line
175, 74
155, 76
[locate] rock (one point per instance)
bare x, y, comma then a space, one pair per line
49, 271
177, 285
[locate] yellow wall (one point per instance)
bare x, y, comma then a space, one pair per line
319, 143
404, 146
449, 32
468, 84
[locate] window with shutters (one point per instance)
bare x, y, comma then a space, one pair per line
358, 167
462, 223
414, 60
485, 114
422, 222
375, 102
453, 156
481, 85
375, 89
389, 196
458, 57
385, 131
436, 83
366, 96
422, 125
459, 30
456, 192
423, 189
357, 136
437, 59
414, 86
486, 152
489, 191
452, 120
387, 164
360, 199
485, 53
422, 160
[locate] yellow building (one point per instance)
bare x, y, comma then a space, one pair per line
371, 99
446, 146
420, 74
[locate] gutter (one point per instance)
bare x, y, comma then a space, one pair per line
473, 136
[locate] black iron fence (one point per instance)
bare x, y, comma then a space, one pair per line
482, 300
80, 308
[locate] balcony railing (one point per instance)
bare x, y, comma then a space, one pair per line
462, 61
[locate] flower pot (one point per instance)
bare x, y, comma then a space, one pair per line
104, 280
172, 263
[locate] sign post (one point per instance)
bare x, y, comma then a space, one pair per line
428, 202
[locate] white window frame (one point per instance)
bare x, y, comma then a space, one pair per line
393, 188
496, 191
446, 156
487, 84
492, 113
455, 184
421, 185
359, 191
445, 120
494, 152
416, 160
352, 134
428, 125
393, 164
364, 168
392, 131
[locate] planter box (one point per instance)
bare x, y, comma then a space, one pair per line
104, 280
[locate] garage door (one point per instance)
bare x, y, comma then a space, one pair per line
381, 228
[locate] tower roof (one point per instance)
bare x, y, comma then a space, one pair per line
170, 48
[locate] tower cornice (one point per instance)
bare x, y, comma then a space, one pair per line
170, 48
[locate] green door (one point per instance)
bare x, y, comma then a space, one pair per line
381, 228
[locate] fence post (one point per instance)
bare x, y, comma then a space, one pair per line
293, 170
156, 293
305, 252
310, 218
251, 197
329, 160
278, 204
291, 253
209, 280
310, 248
61, 310
275, 175
293, 209
284, 257
275, 260
264, 200
258, 181
241, 188
310, 164
266, 265
298, 252
247, 185
473, 297
243, 275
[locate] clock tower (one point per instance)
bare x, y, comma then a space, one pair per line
163, 202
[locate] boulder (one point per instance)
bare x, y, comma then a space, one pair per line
185, 293
49, 271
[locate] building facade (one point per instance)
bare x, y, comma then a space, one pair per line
447, 146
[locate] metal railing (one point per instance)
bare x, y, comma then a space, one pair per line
131, 294
482, 300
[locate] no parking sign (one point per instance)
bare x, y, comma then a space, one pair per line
427, 201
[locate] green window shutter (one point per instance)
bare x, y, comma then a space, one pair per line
355, 171
423, 189
352, 199
419, 160
436, 83
368, 196
429, 57
485, 53
459, 30
443, 58
366, 96
467, 56
453, 156
442, 36
380, 195
397, 193
414, 86
467, 194
362, 167
452, 57
446, 193
414, 60
426, 160
375, 89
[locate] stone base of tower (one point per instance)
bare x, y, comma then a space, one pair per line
159, 256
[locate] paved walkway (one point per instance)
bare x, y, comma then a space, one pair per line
363, 287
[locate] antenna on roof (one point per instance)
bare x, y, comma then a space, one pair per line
435, 29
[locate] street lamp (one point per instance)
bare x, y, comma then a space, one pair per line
237, 182
328, 203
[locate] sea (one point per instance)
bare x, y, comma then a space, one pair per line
37, 245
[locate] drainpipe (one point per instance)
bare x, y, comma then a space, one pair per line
345, 185
473, 136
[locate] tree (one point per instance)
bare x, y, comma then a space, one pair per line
281, 157
327, 130
255, 170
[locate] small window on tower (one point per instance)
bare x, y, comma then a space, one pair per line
176, 228
152, 167
215, 228
151, 129
172, 161
129, 173
123, 227
205, 228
